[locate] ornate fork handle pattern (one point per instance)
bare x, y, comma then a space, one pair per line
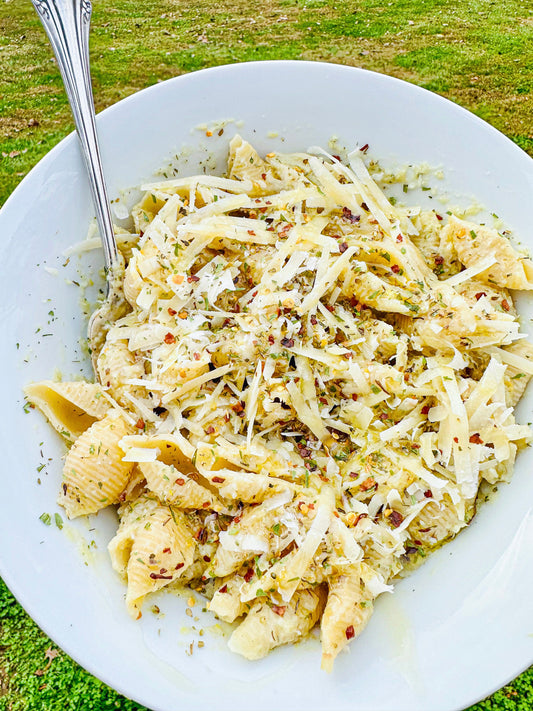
67, 25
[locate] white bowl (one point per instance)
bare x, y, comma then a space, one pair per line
458, 628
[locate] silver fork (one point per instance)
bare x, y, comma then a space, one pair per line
67, 24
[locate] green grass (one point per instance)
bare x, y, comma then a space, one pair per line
478, 53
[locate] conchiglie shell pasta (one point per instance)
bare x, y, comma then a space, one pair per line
133, 282
226, 602
250, 536
474, 242
268, 626
71, 408
171, 449
116, 365
94, 474
244, 163
241, 485
174, 487
145, 211
153, 547
515, 379
347, 612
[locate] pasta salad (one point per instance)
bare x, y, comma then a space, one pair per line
301, 396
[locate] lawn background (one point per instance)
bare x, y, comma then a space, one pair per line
477, 53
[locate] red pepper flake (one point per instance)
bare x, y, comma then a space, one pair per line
337, 158
323, 400
287, 342
480, 294
170, 338
367, 484
456, 440
193, 278
428, 494
425, 409
396, 518
180, 481
264, 176
350, 632
238, 408
207, 559
166, 550
365, 206
201, 535
172, 311
355, 397
279, 609
343, 246
140, 424
395, 268
399, 238
313, 320
271, 339
505, 305
205, 505
439, 260
179, 565
158, 576
439, 217
196, 356
348, 215
218, 480
223, 589
210, 429
251, 232
364, 148
475, 439
249, 574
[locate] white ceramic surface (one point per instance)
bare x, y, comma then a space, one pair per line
458, 628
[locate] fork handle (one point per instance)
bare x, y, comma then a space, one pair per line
67, 25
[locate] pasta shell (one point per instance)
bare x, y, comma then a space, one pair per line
172, 486
71, 408
515, 379
226, 603
474, 242
115, 366
133, 282
153, 548
94, 474
268, 626
347, 612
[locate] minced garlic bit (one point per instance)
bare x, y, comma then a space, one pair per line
314, 383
